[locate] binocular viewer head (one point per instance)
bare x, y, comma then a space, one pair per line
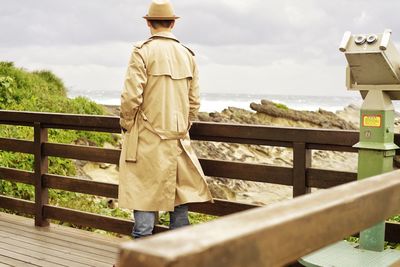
373, 63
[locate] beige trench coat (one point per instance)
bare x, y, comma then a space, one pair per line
158, 167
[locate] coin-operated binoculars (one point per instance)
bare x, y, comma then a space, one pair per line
373, 69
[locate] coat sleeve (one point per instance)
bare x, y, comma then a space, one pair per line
194, 94
132, 94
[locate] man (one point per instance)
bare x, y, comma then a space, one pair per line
159, 170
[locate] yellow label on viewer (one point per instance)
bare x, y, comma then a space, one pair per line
372, 121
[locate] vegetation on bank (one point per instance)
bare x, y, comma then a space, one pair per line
42, 91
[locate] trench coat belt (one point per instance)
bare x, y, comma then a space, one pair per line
132, 137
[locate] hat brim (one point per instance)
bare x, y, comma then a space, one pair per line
160, 18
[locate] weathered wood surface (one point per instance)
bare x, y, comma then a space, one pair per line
19, 176
247, 171
19, 205
218, 208
392, 232
259, 134
221, 132
41, 167
319, 178
301, 161
95, 154
62, 121
16, 145
301, 175
22, 244
88, 219
275, 235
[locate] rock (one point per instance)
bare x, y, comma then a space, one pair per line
84, 142
112, 203
321, 118
108, 145
203, 116
104, 166
351, 114
96, 173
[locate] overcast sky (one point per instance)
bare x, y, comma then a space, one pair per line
242, 46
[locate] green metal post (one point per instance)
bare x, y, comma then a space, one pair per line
376, 152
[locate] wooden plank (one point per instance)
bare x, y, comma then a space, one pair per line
220, 207
319, 178
82, 152
65, 255
328, 147
14, 204
7, 261
80, 186
91, 220
84, 241
392, 232
36, 257
247, 171
314, 221
67, 249
208, 131
62, 120
55, 230
61, 239
16, 145
301, 161
88, 219
239, 140
41, 167
198, 130
27, 259
19, 176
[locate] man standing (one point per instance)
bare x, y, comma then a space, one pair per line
159, 170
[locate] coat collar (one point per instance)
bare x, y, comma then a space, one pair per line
165, 34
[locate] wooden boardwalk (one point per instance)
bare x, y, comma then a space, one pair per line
23, 244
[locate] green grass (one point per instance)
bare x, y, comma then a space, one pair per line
281, 106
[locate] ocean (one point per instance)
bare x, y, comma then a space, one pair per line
211, 102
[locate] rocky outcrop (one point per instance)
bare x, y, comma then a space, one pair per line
265, 113
351, 114
270, 113
321, 118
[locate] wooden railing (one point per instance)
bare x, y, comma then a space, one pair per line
301, 176
275, 235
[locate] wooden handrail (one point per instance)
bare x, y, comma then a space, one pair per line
302, 176
208, 131
270, 236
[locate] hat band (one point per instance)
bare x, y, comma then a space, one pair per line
160, 17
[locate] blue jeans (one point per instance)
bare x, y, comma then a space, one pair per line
145, 220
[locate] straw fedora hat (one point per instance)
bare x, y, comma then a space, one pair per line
161, 10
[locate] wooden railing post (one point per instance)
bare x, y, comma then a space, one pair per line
301, 161
41, 167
